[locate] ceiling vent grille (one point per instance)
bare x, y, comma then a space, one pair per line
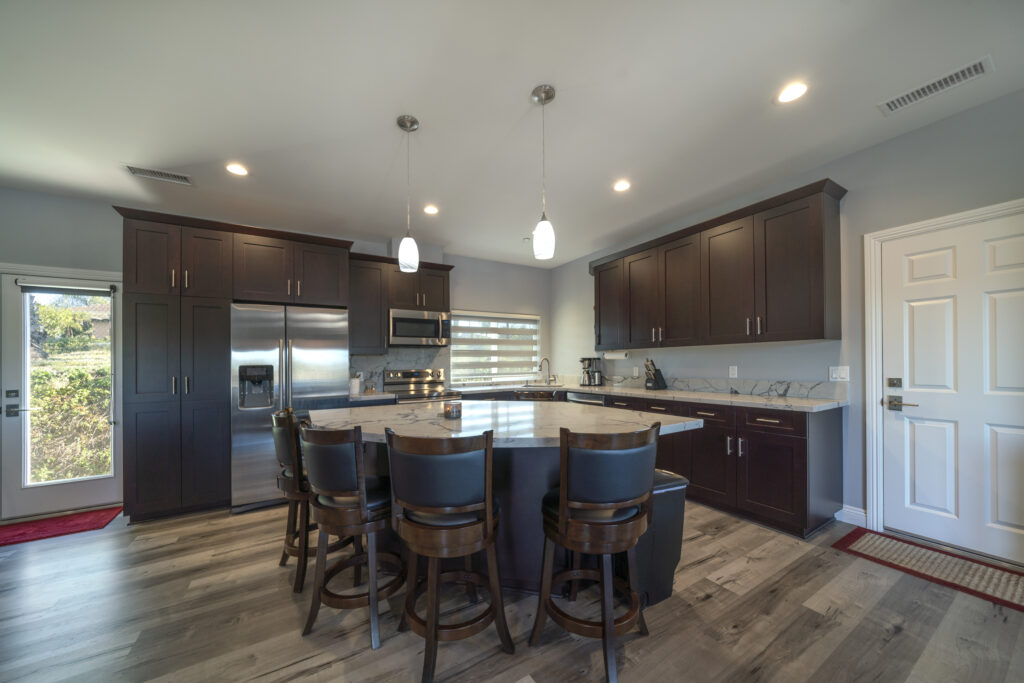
165, 176
970, 72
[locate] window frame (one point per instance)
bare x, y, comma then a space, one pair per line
515, 380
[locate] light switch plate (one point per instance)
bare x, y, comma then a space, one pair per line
636, 371
839, 373
734, 371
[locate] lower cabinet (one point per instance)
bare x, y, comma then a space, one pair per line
152, 462
205, 454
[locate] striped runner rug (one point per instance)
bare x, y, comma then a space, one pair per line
986, 581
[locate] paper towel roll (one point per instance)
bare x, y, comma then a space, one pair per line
616, 355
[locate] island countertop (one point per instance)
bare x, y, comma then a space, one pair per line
516, 424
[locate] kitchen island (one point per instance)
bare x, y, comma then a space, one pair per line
526, 456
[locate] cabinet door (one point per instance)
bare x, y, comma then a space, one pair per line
609, 321
675, 452
679, 314
151, 347
713, 465
727, 276
152, 458
205, 349
642, 299
205, 454
367, 312
152, 257
772, 477
624, 402
434, 294
321, 275
263, 269
788, 272
404, 290
206, 262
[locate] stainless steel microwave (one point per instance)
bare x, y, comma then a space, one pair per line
419, 328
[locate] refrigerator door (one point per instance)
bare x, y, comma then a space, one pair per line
257, 390
318, 358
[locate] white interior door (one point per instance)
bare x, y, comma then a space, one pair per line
953, 335
58, 442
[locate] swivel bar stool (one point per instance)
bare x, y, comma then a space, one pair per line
443, 507
347, 503
601, 507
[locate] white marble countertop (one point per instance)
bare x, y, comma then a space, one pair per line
803, 405
515, 423
358, 398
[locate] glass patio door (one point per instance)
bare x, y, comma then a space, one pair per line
57, 430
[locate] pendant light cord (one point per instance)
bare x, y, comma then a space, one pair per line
543, 166
408, 188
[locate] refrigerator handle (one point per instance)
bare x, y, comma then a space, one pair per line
289, 356
280, 375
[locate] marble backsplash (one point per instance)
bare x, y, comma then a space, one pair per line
747, 387
398, 358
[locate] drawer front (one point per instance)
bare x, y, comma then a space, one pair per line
724, 416
623, 403
665, 407
778, 421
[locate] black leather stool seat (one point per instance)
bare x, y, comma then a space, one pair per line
378, 495
550, 508
432, 519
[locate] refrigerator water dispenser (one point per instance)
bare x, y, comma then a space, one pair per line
255, 386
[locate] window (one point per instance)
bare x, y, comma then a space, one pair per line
494, 348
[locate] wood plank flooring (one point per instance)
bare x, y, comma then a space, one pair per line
201, 598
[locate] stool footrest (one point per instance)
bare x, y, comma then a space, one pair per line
586, 627
354, 600
463, 629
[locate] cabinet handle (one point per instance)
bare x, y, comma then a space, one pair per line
768, 420
172, 278
289, 288
759, 324
740, 453
704, 414
748, 327
298, 288
652, 334
661, 334
186, 278
728, 445
618, 403
417, 298
657, 407
424, 298
174, 385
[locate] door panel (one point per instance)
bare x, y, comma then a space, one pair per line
152, 257
205, 349
263, 269
205, 453
151, 347
434, 290
609, 321
206, 263
321, 275
713, 465
952, 321
368, 314
404, 290
152, 454
772, 477
727, 276
679, 263
642, 299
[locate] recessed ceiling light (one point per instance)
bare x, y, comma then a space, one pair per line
621, 185
237, 169
430, 209
793, 91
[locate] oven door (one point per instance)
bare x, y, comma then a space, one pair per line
419, 328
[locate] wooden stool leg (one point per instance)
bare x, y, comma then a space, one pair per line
289, 531
574, 585
371, 576
608, 618
357, 543
433, 616
470, 586
545, 591
497, 603
633, 580
318, 581
302, 560
410, 590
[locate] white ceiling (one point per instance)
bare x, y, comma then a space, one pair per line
676, 96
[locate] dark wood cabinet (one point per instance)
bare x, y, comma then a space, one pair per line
713, 455
771, 476
321, 275
263, 269
205, 349
425, 290
205, 454
151, 353
434, 287
152, 461
624, 402
368, 307
404, 289
151, 257
727, 275
609, 321
679, 311
640, 272
206, 263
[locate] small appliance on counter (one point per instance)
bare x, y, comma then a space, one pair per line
655, 380
591, 375
417, 385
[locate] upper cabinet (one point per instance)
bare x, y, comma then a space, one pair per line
205, 263
769, 272
425, 290
368, 313
321, 275
288, 272
152, 257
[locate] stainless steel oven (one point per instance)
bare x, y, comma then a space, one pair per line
419, 328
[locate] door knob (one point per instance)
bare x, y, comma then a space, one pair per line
896, 403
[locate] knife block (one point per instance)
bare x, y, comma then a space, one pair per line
657, 382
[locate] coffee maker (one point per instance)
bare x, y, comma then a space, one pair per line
591, 374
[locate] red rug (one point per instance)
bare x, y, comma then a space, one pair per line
57, 526
981, 579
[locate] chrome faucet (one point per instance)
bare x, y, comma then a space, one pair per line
547, 377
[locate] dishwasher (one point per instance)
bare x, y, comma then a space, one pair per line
589, 399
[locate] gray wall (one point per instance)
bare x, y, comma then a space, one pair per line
967, 161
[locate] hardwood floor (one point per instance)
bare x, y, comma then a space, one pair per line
201, 598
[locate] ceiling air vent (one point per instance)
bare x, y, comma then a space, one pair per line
165, 176
968, 73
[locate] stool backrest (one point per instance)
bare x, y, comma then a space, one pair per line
606, 471
285, 427
441, 476
334, 466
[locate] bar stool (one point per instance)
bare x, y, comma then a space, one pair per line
292, 482
347, 503
443, 507
601, 507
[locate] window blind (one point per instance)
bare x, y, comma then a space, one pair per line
494, 348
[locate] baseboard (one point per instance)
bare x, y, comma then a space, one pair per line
852, 515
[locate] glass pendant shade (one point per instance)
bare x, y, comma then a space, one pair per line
409, 254
543, 240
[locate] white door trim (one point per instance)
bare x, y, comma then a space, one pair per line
873, 389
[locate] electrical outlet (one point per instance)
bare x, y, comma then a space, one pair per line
734, 371
636, 371
839, 373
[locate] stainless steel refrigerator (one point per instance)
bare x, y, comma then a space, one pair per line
280, 356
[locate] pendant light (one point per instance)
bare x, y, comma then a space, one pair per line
408, 252
544, 233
